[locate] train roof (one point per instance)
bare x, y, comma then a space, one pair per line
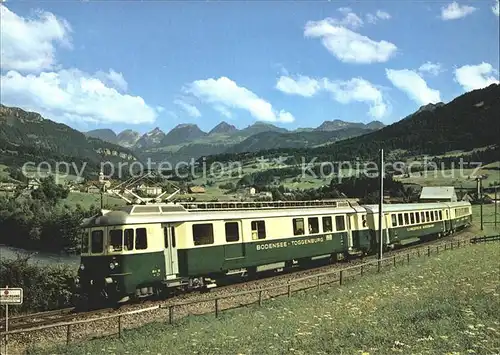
415, 206
169, 212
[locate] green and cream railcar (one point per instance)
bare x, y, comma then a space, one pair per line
141, 250
407, 223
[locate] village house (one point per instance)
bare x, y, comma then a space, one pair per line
196, 189
438, 194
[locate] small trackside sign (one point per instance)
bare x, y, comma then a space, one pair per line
11, 296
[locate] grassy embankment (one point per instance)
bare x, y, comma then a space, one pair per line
446, 304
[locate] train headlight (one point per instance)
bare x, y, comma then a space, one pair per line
82, 267
111, 266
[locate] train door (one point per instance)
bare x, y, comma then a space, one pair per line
170, 252
233, 242
447, 220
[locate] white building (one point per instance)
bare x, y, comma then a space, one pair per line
438, 194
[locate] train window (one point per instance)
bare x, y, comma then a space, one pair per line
116, 240
313, 225
203, 234
339, 223
394, 220
165, 237
363, 218
258, 230
141, 239
97, 242
232, 232
427, 217
400, 219
417, 217
447, 215
412, 218
440, 215
407, 220
85, 243
128, 236
422, 216
432, 216
327, 224
298, 226
435, 215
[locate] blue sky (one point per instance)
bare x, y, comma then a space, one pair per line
140, 65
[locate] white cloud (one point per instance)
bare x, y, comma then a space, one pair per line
379, 15
303, 85
344, 92
349, 46
413, 85
191, 110
28, 45
72, 95
431, 68
472, 77
358, 90
226, 93
496, 8
455, 11
113, 79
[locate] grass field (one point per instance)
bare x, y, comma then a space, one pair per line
488, 218
446, 304
87, 200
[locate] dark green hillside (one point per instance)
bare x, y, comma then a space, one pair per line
27, 136
469, 121
275, 140
106, 135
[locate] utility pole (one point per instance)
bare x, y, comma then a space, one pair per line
479, 196
496, 204
380, 206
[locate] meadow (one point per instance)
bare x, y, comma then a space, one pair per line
446, 304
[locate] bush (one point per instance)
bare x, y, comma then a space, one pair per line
45, 287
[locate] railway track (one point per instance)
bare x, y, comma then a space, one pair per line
69, 314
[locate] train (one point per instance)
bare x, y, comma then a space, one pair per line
138, 251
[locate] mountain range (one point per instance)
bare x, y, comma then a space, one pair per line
187, 141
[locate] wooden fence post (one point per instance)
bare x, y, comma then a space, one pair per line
429, 250
408, 258
318, 282
437, 249
361, 273
216, 307
379, 266
120, 327
68, 334
341, 277
418, 253
260, 298
170, 314
289, 289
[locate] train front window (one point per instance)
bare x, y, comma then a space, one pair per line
97, 242
141, 239
128, 235
116, 240
85, 243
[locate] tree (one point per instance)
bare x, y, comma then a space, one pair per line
50, 191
